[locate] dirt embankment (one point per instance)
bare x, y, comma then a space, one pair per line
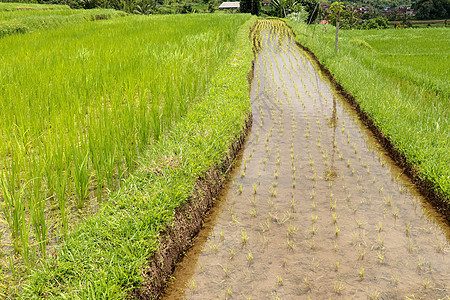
425, 186
188, 220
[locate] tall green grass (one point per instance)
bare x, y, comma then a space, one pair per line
401, 78
79, 104
103, 258
22, 18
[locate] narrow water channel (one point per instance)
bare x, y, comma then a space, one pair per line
315, 209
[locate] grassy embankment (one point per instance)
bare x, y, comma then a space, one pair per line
75, 118
401, 79
23, 18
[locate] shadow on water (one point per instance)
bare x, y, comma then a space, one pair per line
315, 209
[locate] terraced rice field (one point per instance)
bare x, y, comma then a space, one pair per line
315, 208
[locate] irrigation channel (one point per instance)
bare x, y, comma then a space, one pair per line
314, 208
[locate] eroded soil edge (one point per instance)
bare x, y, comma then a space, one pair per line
188, 220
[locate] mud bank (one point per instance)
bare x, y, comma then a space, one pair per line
188, 220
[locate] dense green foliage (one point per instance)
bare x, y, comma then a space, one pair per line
401, 79
136, 6
350, 20
250, 6
79, 104
432, 9
283, 8
103, 258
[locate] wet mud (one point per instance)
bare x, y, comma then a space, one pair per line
314, 208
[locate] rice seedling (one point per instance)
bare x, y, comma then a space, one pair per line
290, 245
313, 230
279, 281
395, 212
362, 254
273, 192
244, 237
337, 230
395, 280
228, 293
373, 295
307, 283
408, 226
338, 287
380, 257
250, 258
191, 284
232, 253
336, 266
334, 218
213, 248
361, 273
411, 246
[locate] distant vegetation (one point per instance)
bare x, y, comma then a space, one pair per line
22, 18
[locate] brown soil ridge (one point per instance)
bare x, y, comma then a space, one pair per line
187, 222
424, 185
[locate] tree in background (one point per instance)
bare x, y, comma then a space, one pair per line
250, 6
299, 14
312, 7
336, 8
379, 22
432, 9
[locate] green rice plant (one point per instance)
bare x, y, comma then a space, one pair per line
380, 257
337, 231
338, 287
373, 295
279, 281
13, 208
250, 258
244, 237
395, 212
361, 273
408, 227
81, 174
362, 254
307, 283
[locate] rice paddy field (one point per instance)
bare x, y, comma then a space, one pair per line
315, 209
22, 18
109, 128
79, 104
401, 78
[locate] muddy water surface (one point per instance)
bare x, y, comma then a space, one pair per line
315, 208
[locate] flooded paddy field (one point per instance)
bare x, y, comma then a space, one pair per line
315, 208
